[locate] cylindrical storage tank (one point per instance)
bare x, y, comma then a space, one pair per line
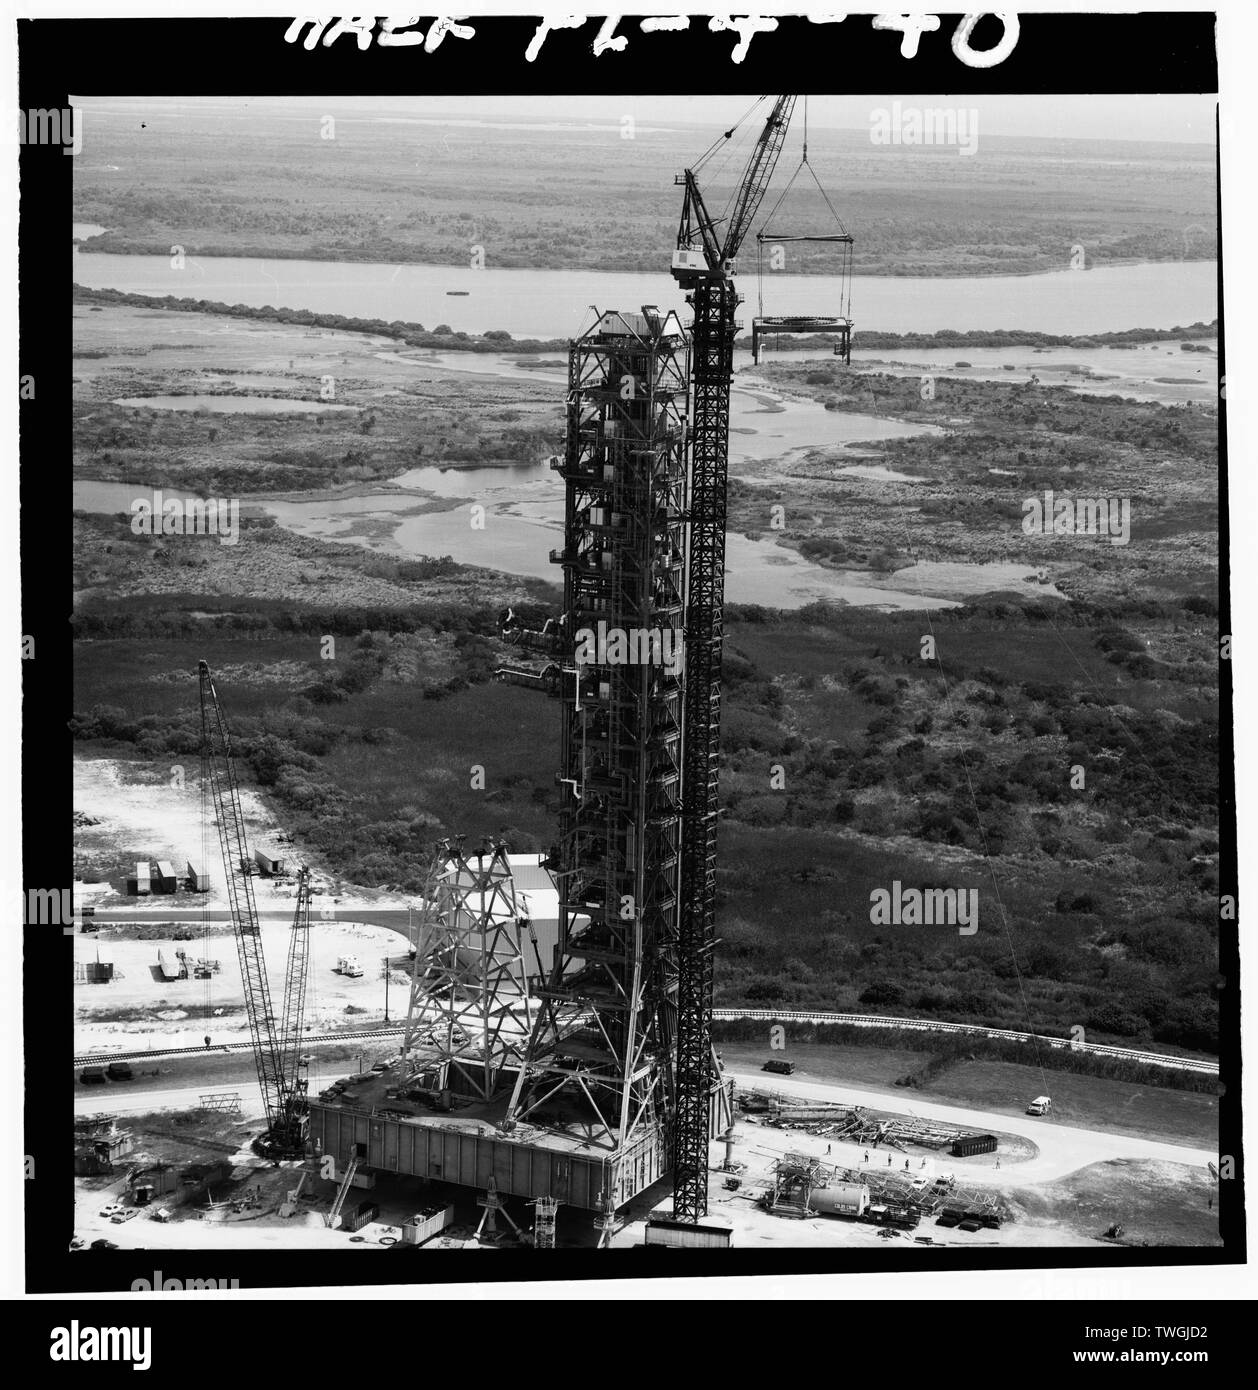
842, 1199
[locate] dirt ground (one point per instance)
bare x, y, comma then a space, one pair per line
138, 1008
141, 1009
1154, 1203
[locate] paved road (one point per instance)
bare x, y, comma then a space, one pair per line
398, 918
114, 1100
1062, 1149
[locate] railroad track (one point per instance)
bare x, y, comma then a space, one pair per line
922, 1025
98, 1059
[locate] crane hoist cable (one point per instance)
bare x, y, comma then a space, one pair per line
841, 237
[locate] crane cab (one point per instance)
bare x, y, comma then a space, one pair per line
689, 264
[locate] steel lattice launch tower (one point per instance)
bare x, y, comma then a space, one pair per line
606, 1022
584, 1102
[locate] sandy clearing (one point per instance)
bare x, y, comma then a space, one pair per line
1061, 1149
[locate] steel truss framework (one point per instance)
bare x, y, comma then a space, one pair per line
221, 799
715, 303
469, 997
292, 1025
606, 1021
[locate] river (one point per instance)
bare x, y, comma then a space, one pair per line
523, 506
558, 303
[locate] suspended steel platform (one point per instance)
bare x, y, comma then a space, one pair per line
770, 325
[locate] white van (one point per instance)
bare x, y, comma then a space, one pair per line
1041, 1105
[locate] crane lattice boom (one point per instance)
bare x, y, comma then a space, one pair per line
708, 276
218, 772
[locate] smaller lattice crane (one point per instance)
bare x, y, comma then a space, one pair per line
295, 1115
276, 1050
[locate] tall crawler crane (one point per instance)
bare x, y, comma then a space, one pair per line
703, 265
276, 1054
291, 1133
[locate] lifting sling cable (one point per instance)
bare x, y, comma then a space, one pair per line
842, 236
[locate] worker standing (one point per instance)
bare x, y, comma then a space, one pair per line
888, 1160
866, 1155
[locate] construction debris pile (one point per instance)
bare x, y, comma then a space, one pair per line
856, 1125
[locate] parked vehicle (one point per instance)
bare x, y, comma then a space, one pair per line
780, 1066
1041, 1105
92, 1076
120, 1071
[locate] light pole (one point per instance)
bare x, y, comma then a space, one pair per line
386, 989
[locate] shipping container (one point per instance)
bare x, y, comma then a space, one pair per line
164, 880
98, 972
175, 970
268, 862
142, 882
966, 1144
198, 879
